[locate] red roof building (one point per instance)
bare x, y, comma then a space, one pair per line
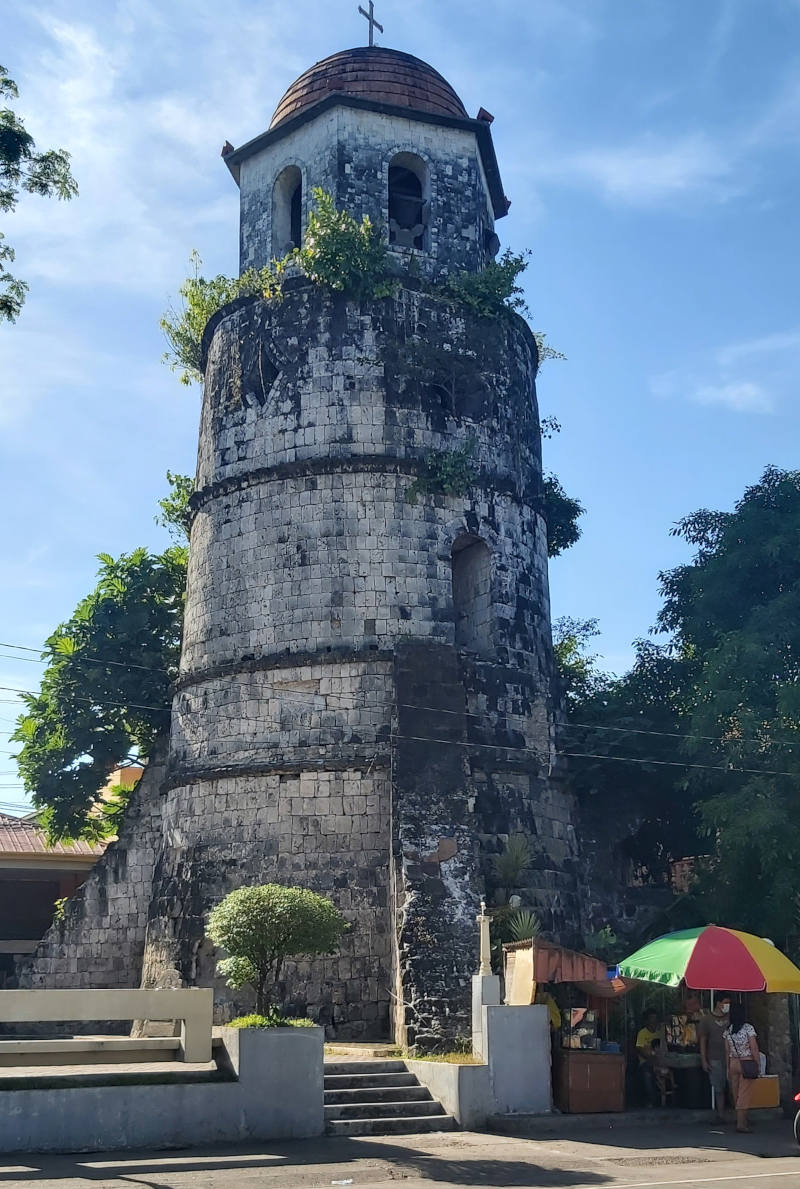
33, 876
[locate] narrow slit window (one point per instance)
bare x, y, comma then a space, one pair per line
472, 594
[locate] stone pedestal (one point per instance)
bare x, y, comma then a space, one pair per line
485, 993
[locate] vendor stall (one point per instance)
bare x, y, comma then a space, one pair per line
588, 1066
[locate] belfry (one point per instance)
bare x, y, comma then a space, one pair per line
366, 703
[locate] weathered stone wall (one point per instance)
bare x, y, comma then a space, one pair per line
326, 830
328, 727
100, 940
347, 152
314, 729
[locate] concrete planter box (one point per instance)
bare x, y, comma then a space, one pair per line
281, 1069
275, 1091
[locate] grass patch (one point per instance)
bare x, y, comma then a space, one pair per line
271, 1021
448, 1058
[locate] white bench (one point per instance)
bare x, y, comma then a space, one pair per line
192, 1006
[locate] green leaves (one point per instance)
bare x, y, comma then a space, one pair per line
510, 865
523, 925
202, 298
736, 609
261, 926
447, 472
176, 514
561, 514
493, 292
341, 253
105, 692
338, 252
23, 169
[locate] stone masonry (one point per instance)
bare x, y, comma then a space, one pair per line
365, 703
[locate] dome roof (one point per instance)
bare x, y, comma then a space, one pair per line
375, 73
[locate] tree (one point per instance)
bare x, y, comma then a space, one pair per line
22, 168
622, 740
696, 750
262, 926
105, 694
176, 513
575, 666
561, 513
735, 611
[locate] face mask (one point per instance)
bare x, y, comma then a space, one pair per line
724, 1008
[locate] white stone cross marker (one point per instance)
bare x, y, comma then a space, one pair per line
486, 947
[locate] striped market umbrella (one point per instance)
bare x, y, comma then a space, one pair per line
712, 959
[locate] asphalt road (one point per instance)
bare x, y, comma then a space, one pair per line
692, 1156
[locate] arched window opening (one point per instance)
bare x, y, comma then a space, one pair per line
287, 211
408, 201
472, 593
296, 214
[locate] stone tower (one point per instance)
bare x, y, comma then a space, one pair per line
364, 705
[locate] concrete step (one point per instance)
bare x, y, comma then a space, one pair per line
379, 1094
383, 1110
88, 1050
360, 1050
333, 1068
410, 1125
358, 1081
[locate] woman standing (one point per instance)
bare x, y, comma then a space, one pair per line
743, 1062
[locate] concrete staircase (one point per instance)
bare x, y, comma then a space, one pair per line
379, 1098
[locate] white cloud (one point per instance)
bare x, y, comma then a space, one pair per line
144, 140
741, 397
768, 344
723, 381
652, 169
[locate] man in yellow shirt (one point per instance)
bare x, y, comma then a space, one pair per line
650, 1031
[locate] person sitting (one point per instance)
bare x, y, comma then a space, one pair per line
650, 1031
664, 1077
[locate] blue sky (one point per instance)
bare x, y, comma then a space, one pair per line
650, 149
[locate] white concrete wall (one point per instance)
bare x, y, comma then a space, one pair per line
518, 1045
463, 1090
516, 1078
277, 1094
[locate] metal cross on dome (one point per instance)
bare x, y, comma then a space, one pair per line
373, 24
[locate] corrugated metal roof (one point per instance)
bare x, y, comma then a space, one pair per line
21, 837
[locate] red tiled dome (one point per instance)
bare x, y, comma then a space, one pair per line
372, 72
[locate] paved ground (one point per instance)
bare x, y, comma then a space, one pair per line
696, 1157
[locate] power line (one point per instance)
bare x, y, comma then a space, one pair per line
407, 705
595, 727
312, 700
78, 656
93, 701
679, 734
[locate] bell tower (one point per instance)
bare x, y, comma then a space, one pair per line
388, 137
365, 700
